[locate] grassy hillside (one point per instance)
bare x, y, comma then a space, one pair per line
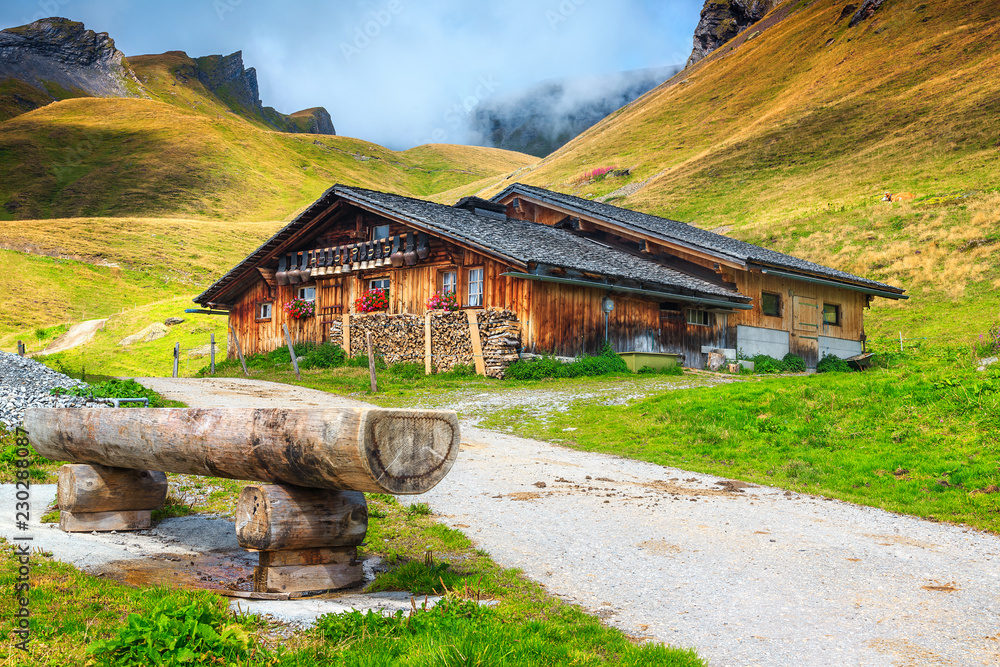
789, 135
125, 157
68, 270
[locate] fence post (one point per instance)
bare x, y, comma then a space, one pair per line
291, 351
211, 350
239, 351
20, 348
177, 355
428, 367
371, 361
901, 342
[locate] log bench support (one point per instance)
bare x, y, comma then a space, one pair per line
307, 539
102, 498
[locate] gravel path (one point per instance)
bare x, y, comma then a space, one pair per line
747, 576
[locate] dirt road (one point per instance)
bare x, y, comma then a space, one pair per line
747, 576
78, 334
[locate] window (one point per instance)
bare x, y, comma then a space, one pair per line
307, 293
831, 314
380, 283
264, 310
770, 303
699, 317
380, 232
449, 282
475, 287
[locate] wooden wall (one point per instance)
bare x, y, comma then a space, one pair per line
564, 320
801, 308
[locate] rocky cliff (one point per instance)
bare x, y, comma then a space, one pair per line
721, 20
54, 59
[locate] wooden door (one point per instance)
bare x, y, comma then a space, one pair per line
805, 325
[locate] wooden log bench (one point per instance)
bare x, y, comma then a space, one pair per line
306, 523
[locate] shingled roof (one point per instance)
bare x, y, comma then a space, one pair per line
516, 241
671, 230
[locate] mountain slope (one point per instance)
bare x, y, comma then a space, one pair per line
129, 157
792, 137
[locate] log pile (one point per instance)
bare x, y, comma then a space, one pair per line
501, 335
400, 338
451, 343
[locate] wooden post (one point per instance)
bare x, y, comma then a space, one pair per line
177, 356
477, 345
291, 351
277, 517
239, 351
901, 342
362, 449
347, 334
428, 366
20, 348
103, 498
371, 361
211, 347
307, 538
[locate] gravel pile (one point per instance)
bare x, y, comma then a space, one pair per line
25, 383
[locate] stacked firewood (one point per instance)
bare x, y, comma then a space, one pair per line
500, 333
400, 338
451, 342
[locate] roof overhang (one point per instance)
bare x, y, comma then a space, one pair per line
834, 283
617, 225
609, 287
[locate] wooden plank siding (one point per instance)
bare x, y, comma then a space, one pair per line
560, 319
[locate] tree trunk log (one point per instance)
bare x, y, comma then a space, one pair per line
274, 517
379, 451
88, 522
87, 488
343, 570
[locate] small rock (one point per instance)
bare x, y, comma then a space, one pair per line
172, 321
540, 485
986, 363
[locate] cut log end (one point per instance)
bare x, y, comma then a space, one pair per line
410, 451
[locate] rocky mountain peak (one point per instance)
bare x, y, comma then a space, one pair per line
228, 74
721, 20
58, 55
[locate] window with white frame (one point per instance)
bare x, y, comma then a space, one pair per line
380, 283
307, 293
264, 310
475, 287
449, 282
700, 317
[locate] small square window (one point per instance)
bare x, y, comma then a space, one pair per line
699, 317
831, 314
307, 293
475, 287
380, 232
264, 310
449, 282
380, 283
771, 304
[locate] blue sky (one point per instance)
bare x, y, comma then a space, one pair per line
393, 71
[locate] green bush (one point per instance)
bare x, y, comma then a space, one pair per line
325, 355
605, 363
114, 389
793, 363
192, 634
762, 363
832, 364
